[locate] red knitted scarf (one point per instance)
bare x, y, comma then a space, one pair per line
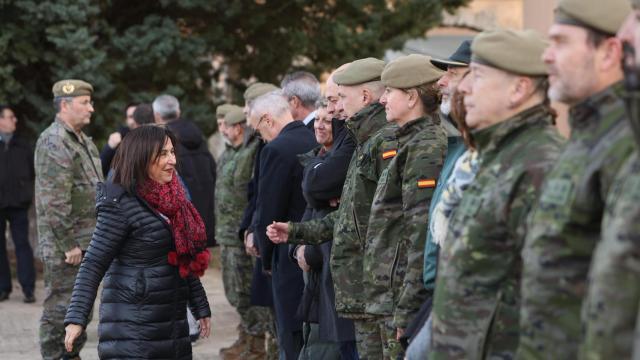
191, 255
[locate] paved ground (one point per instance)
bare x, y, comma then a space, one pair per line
19, 323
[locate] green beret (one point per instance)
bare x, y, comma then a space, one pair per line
604, 16
518, 52
410, 71
71, 88
359, 72
223, 110
234, 116
258, 89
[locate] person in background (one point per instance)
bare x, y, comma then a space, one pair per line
302, 90
16, 193
109, 149
67, 167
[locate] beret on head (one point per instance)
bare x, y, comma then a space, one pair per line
71, 88
223, 109
518, 52
258, 89
359, 72
410, 71
605, 16
235, 116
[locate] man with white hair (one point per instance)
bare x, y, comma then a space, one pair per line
279, 198
302, 90
196, 165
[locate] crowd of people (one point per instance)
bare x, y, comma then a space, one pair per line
421, 208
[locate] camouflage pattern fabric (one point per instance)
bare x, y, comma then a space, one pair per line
565, 225
235, 170
394, 252
476, 301
237, 272
59, 278
612, 308
67, 167
348, 225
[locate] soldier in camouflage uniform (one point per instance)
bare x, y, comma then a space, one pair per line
477, 295
611, 309
235, 168
375, 147
67, 166
565, 224
394, 248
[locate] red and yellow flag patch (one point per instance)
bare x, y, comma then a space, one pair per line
389, 154
426, 183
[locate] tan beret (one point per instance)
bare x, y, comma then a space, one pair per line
223, 109
603, 15
410, 71
258, 89
359, 72
518, 52
234, 116
71, 88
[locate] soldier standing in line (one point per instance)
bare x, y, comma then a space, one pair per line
612, 307
394, 252
359, 92
477, 295
584, 59
235, 170
67, 167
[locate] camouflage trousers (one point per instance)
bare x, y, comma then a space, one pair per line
237, 271
376, 339
59, 278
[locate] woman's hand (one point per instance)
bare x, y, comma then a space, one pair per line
205, 327
72, 333
278, 232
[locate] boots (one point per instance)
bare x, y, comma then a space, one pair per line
255, 348
233, 352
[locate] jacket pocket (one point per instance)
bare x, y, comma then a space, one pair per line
140, 287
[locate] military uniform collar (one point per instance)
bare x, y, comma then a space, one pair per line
491, 138
583, 114
418, 124
78, 136
366, 121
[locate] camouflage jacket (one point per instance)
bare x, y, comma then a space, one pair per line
611, 309
348, 226
68, 169
476, 301
234, 173
394, 250
564, 226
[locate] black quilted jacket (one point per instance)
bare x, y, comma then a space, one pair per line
144, 300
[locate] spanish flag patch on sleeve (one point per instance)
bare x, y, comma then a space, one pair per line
389, 154
426, 183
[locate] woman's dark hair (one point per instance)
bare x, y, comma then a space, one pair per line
139, 149
459, 113
429, 95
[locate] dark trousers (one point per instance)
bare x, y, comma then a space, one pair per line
19, 225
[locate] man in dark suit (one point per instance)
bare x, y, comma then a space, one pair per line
280, 198
302, 90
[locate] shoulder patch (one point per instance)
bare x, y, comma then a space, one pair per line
389, 154
426, 183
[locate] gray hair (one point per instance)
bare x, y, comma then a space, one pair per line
303, 85
273, 103
167, 106
57, 102
375, 87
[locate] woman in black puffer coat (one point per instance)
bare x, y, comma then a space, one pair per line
149, 259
